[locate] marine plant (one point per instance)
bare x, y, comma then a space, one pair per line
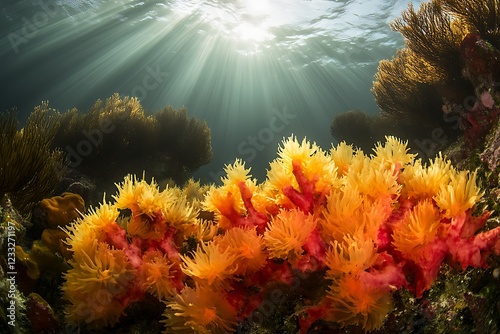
445, 78
361, 226
118, 133
27, 161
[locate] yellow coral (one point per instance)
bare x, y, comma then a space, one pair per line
425, 181
393, 155
350, 256
460, 195
201, 230
349, 212
201, 311
418, 227
210, 264
341, 214
372, 178
317, 166
94, 284
90, 227
236, 173
179, 212
194, 192
287, 233
227, 198
343, 155
141, 197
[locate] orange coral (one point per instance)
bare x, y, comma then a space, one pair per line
210, 264
248, 246
362, 228
199, 310
417, 229
156, 274
356, 303
95, 283
287, 234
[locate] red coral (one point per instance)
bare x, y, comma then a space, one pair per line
466, 248
305, 199
253, 218
316, 253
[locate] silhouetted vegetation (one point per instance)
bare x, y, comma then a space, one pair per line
450, 59
117, 137
29, 168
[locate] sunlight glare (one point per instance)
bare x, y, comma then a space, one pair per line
255, 21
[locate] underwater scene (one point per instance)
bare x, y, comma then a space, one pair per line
237, 166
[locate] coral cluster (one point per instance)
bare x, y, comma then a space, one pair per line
365, 225
124, 250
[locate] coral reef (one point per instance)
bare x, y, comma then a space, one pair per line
336, 234
444, 83
122, 252
119, 134
28, 164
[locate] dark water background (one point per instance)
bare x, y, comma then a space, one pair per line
256, 71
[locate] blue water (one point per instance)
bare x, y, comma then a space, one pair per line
256, 70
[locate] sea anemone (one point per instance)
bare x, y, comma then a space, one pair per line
315, 165
201, 230
210, 264
199, 310
179, 212
342, 155
421, 182
348, 212
226, 201
352, 255
157, 274
141, 197
459, 195
355, 303
373, 179
418, 228
341, 214
393, 154
248, 246
90, 227
287, 233
96, 285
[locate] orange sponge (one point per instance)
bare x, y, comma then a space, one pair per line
63, 209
